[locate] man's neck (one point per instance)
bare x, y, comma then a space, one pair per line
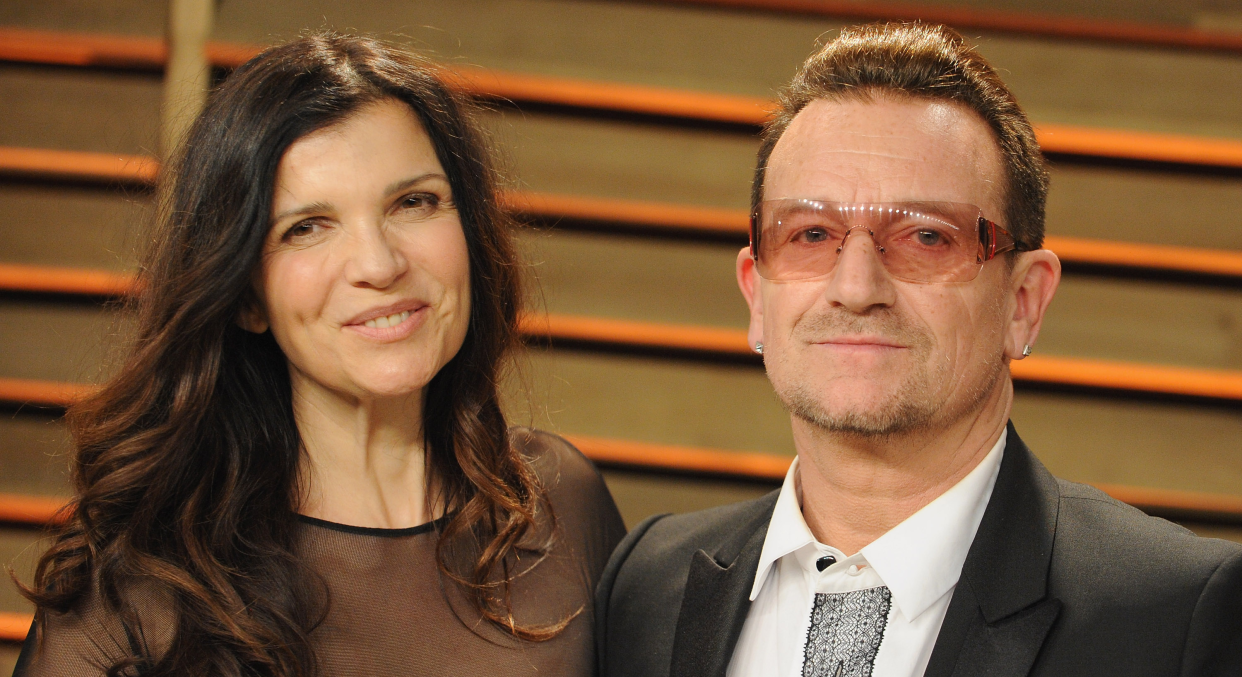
856, 489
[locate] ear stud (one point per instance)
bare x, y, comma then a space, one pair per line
759, 348
1026, 351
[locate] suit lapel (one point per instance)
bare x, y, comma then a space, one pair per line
716, 600
1000, 613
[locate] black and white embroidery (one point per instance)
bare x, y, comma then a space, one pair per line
845, 633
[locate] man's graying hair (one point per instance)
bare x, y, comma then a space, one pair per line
926, 62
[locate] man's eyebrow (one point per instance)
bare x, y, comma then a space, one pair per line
398, 186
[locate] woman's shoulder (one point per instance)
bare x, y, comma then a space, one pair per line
557, 463
575, 487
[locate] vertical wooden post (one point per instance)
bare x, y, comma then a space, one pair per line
187, 76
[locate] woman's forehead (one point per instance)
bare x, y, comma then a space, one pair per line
369, 148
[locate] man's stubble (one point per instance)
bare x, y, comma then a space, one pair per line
915, 404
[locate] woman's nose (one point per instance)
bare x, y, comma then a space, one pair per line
374, 259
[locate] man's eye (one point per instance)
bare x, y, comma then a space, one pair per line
929, 238
813, 235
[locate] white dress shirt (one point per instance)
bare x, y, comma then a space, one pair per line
920, 560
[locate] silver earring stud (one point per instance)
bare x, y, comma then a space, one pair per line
759, 348
1026, 351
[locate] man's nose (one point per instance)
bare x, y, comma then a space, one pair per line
859, 281
374, 260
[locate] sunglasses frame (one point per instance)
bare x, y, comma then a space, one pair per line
993, 239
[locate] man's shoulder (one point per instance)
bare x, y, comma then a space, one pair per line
666, 537
1096, 530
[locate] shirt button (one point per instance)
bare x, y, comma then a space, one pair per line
825, 562
854, 570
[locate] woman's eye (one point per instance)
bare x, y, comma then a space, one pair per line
423, 204
929, 238
302, 230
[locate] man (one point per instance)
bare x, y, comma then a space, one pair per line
894, 271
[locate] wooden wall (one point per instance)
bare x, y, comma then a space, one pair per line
1094, 435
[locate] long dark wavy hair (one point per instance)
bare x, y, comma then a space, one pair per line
187, 462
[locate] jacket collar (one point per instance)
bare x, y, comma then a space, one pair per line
1000, 612
717, 598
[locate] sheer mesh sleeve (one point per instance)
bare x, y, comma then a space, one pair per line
91, 638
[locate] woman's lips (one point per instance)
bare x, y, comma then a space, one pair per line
393, 326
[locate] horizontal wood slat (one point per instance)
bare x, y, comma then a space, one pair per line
14, 626
74, 49
1064, 27
38, 511
624, 453
15, 277
731, 344
623, 215
68, 165
31, 510
38, 393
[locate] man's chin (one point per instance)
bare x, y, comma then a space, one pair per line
869, 415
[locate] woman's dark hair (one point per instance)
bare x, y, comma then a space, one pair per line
186, 467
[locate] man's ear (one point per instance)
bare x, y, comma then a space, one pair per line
1035, 277
748, 282
253, 316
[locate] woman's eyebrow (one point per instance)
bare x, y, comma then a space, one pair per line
314, 207
398, 186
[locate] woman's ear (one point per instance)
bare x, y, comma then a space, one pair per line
253, 317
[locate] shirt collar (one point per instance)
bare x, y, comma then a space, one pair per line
920, 559
787, 530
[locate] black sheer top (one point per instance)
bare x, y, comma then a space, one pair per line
390, 610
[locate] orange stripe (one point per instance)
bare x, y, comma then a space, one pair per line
610, 96
636, 334
623, 214
653, 215
978, 18
39, 511
78, 165
1142, 146
86, 49
42, 393
14, 626
1184, 381
1061, 371
682, 459
49, 280
31, 510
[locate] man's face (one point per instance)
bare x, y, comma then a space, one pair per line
859, 351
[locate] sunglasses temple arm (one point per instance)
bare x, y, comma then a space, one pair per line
993, 240
754, 236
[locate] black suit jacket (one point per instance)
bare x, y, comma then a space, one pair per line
1060, 580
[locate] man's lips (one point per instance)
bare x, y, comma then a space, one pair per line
860, 342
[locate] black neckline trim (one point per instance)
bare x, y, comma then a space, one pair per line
373, 531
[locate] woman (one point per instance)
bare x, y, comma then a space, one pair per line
303, 468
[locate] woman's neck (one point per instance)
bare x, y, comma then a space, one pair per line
365, 464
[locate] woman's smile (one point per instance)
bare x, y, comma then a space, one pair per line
390, 323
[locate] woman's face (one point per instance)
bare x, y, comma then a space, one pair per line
365, 281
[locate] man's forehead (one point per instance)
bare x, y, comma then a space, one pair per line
887, 149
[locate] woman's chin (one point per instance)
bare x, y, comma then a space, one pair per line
393, 383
